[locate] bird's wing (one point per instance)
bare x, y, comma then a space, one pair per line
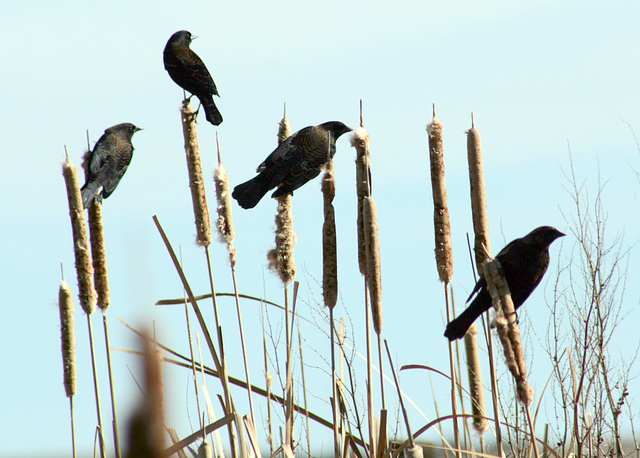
482, 283
196, 72
285, 150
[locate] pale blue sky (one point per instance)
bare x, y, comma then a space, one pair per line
541, 78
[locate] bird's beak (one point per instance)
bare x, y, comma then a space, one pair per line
193, 37
137, 129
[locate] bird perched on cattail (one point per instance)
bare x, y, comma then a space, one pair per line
524, 262
298, 159
108, 162
188, 71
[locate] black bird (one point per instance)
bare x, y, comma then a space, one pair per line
107, 162
188, 71
524, 262
298, 159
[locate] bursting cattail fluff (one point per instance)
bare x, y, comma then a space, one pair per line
478, 197
360, 141
226, 231
284, 128
84, 267
374, 270
442, 225
480, 423
196, 181
67, 335
507, 328
281, 257
329, 244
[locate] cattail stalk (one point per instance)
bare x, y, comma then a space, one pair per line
475, 381
268, 383
443, 251
196, 181
226, 234
68, 340
84, 272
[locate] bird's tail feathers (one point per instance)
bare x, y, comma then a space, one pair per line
456, 329
211, 111
248, 194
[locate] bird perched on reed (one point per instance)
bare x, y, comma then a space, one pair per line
188, 71
107, 163
524, 262
298, 159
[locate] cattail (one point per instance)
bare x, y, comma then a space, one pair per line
507, 328
478, 196
329, 244
205, 450
360, 141
84, 269
374, 270
99, 256
475, 380
226, 231
281, 257
442, 225
196, 181
67, 333
98, 251
413, 452
284, 128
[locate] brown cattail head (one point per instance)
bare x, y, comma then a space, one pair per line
478, 196
507, 328
281, 257
284, 128
480, 423
67, 334
360, 141
329, 244
99, 256
442, 226
374, 270
84, 269
196, 181
226, 231
146, 435
205, 450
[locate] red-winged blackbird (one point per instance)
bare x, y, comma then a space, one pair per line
188, 71
107, 162
298, 159
524, 262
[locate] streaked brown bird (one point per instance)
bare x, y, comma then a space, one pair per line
298, 159
524, 262
188, 71
108, 162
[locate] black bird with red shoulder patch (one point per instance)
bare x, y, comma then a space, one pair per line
188, 71
524, 262
108, 162
298, 159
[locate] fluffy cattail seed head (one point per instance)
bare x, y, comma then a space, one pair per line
281, 257
360, 141
478, 197
284, 127
84, 267
67, 334
196, 181
374, 269
442, 225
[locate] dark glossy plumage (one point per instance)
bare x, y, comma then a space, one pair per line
298, 159
108, 162
188, 71
524, 262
